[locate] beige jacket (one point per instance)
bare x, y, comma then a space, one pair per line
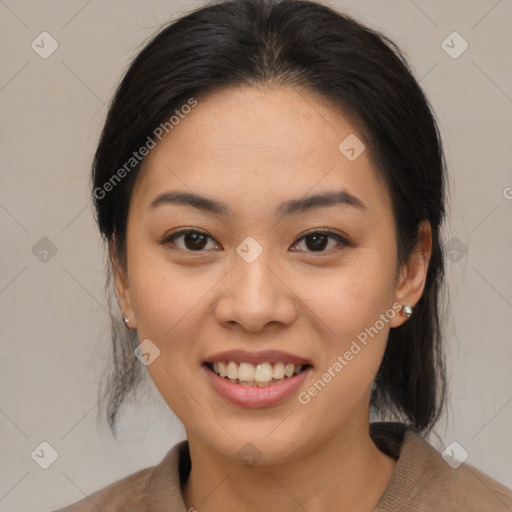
422, 482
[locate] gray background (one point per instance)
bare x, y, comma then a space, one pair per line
54, 323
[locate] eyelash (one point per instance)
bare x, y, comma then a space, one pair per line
341, 240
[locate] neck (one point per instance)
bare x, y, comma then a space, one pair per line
347, 472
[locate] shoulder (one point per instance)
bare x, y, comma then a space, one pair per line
126, 494
424, 481
466, 488
144, 491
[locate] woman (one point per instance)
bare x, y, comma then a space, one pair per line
270, 183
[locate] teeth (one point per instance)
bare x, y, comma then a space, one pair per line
261, 375
232, 370
264, 372
279, 371
246, 372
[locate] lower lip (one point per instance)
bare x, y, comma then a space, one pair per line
255, 396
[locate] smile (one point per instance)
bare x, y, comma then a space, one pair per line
261, 375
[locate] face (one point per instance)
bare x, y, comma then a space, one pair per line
267, 276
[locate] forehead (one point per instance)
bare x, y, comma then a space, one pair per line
261, 144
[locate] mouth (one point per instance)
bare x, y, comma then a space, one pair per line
260, 375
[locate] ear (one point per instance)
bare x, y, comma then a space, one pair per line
122, 288
413, 275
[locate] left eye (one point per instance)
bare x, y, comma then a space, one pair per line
318, 240
195, 241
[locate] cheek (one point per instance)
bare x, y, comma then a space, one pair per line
354, 342
348, 299
165, 297
170, 307
349, 306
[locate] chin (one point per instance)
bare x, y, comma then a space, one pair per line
258, 446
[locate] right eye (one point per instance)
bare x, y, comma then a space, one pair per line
192, 240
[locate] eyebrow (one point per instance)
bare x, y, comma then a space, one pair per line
289, 207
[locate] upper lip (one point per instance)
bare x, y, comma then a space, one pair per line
264, 356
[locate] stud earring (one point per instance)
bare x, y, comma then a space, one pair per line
407, 311
125, 320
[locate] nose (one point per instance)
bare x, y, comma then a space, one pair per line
254, 295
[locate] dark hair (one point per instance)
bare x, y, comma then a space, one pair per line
306, 45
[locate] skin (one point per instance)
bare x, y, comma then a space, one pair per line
253, 148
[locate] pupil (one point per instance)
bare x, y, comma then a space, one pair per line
319, 242
194, 238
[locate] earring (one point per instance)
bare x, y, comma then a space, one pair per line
407, 311
125, 320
